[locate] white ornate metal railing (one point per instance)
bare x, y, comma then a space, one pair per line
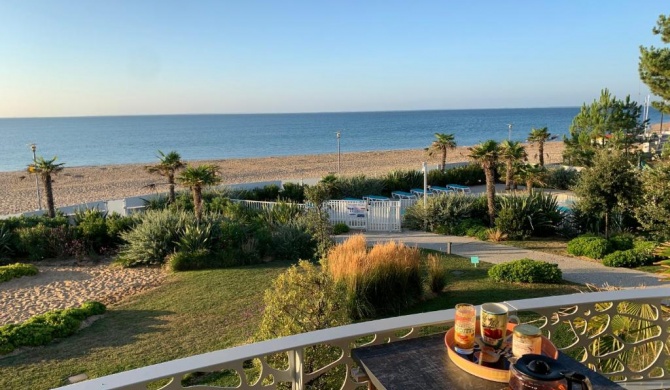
622, 334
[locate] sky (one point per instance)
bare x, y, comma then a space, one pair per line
136, 57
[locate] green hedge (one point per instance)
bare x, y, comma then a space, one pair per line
640, 254
589, 246
16, 270
526, 271
41, 329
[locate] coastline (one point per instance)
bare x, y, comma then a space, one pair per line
77, 185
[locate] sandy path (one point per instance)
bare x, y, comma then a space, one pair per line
69, 285
87, 184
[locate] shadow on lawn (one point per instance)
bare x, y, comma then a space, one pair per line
115, 329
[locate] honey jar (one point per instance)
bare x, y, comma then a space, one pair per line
526, 339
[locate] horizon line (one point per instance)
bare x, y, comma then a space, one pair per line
285, 113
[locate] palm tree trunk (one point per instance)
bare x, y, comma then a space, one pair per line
529, 186
508, 176
171, 196
607, 225
197, 202
444, 159
49, 194
490, 193
540, 150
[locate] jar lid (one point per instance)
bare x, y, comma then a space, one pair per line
539, 367
527, 330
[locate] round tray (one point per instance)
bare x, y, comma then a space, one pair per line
489, 373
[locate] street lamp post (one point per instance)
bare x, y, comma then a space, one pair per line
509, 134
33, 147
338, 152
425, 184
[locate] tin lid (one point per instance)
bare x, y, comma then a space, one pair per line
527, 330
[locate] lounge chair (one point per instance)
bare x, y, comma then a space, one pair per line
459, 188
442, 190
375, 198
419, 192
403, 195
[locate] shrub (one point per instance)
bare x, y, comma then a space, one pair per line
526, 271
6, 242
33, 242
92, 228
16, 270
561, 178
290, 242
442, 213
340, 228
41, 329
621, 242
155, 236
402, 180
116, 225
93, 308
383, 280
292, 192
437, 274
521, 216
478, 232
304, 299
589, 246
193, 260
471, 174
626, 258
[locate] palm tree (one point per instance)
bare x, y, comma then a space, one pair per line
486, 154
196, 178
169, 165
45, 168
532, 174
512, 152
539, 137
443, 143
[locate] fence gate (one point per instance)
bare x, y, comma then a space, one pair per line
374, 216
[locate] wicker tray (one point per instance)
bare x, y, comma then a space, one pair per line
489, 373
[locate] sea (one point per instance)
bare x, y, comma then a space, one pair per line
104, 140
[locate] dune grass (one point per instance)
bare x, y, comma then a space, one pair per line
202, 311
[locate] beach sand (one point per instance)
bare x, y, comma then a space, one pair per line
76, 185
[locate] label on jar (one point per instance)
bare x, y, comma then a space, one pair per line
524, 344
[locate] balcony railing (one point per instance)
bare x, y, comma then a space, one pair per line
621, 334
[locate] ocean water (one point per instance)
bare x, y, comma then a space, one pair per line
135, 139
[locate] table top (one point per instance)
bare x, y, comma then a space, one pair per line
423, 363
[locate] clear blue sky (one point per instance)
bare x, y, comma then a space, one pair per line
113, 57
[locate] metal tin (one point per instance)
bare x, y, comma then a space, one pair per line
526, 339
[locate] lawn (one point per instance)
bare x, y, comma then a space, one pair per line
202, 311
553, 245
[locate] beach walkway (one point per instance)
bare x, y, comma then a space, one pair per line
574, 269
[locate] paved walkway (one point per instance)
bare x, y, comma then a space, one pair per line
574, 269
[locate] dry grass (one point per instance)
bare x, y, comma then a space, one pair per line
382, 280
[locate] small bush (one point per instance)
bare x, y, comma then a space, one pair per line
437, 274
190, 261
340, 228
641, 254
526, 271
291, 243
41, 329
621, 242
33, 242
589, 246
93, 308
478, 232
292, 192
16, 270
561, 178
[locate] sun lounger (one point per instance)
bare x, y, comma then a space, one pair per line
459, 188
419, 191
375, 198
442, 190
403, 195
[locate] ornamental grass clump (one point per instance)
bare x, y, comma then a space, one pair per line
380, 281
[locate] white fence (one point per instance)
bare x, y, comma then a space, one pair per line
374, 216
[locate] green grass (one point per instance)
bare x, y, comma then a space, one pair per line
201, 311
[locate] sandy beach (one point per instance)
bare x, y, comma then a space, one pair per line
75, 185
